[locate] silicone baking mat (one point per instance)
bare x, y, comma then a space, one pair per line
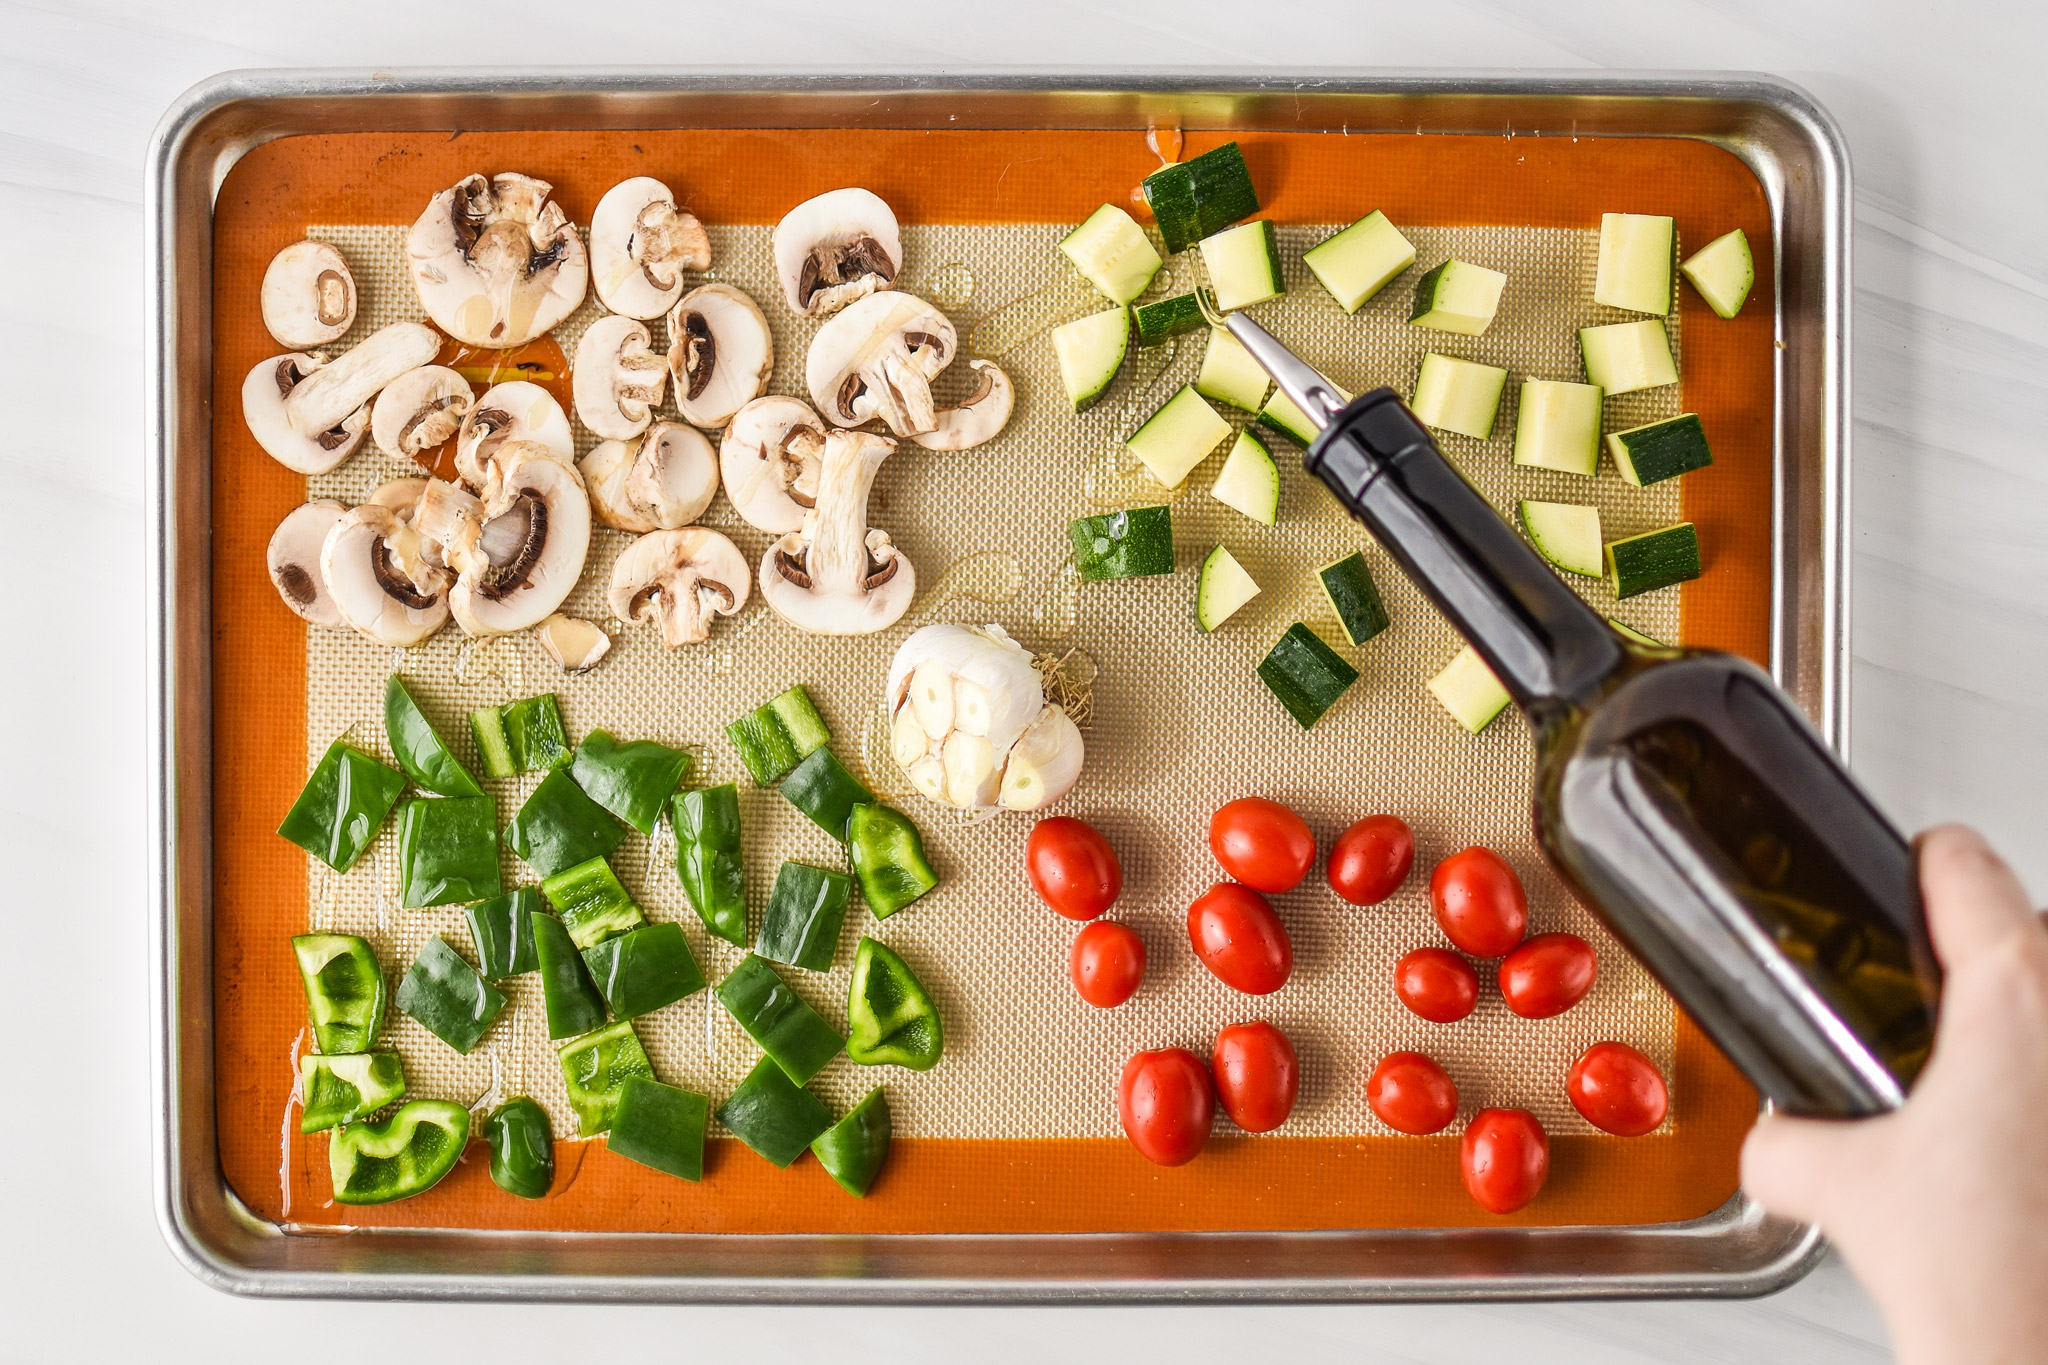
1016, 1129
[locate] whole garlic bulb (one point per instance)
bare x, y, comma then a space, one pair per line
970, 725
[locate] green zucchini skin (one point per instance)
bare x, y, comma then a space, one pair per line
1655, 559
1134, 543
1305, 674
1660, 450
1196, 198
1164, 319
1354, 597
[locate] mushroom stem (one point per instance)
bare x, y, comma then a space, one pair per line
837, 561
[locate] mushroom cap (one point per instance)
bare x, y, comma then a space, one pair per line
496, 262
264, 394
769, 460
364, 566
679, 579
980, 417
605, 471
877, 359
575, 644
617, 380
519, 410
418, 410
349, 381
309, 295
524, 556
640, 245
840, 246
294, 559
720, 352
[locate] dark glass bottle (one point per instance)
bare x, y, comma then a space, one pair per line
1678, 792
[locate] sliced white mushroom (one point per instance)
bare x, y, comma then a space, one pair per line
419, 410
640, 245
295, 560
372, 566
264, 394
400, 495
841, 246
969, 723
520, 410
679, 579
521, 558
720, 352
980, 417
836, 576
496, 262
769, 460
330, 394
575, 645
618, 381
444, 515
661, 482
877, 359
309, 296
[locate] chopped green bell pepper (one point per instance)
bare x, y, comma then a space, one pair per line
446, 995
708, 859
573, 1005
633, 781
344, 990
773, 1115
341, 806
888, 857
852, 1150
644, 969
524, 736
421, 751
777, 1018
823, 789
522, 1144
405, 1155
595, 1069
771, 739
502, 928
890, 1018
342, 1089
805, 911
488, 725
559, 826
447, 851
591, 903
660, 1126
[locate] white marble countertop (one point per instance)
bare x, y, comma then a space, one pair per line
1950, 549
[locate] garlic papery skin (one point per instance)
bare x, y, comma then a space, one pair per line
969, 723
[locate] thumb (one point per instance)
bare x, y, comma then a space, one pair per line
1796, 1167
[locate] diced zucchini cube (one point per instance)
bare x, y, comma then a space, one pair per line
1305, 674
1654, 559
1196, 198
1223, 587
1660, 450
1469, 691
1623, 357
1112, 252
1361, 260
1458, 395
1244, 264
1354, 597
1458, 296
1178, 437
1557, 426
1634, 270
1249, 481
1133, 543
1566, 534
1162, 320
1230, 375
1090, 351
1722, 271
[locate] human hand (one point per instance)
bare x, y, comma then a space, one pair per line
1941, 1208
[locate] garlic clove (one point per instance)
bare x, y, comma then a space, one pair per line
928, 775
931, 697
1045, 764
971, 775
974, 709
907, 740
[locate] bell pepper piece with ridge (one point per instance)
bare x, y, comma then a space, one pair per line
341, 806
344, 990
801, 927
534, 734
777, 1018
633, 781
591, 903
643, 970
708, 859
336, 1090
560, 826
773, 1114
405, 1155
595, 1069
522, 1144
823, 789
573, 1005
660, 1126
447, 996
852, 1150
421, 751
888, 858
775, 737
447, 851
502, 929
890, 1018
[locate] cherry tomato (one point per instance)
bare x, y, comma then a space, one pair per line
1411, 1094
1257, 1076
1072, 867
1240, 939
1167, 1105
1370, 860
1547, 975
1262, 843
1504, 1158
1437, 984
1618, 1089
1108, 962
1479, 902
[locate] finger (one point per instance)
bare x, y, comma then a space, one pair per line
1793, 1166
1974, 901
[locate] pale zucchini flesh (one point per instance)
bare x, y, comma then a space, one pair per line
1230, 375
1361, 260
1090, 351
1566, 534
1557, 426
1281, 415
1469, 691
1249, 481
1722, 271
1458, 296
1243, 264
1178, 437
1112, 252
1222, 588
1634, 271
1458, 395
1623, 357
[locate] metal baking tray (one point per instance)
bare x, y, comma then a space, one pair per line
1780, 132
